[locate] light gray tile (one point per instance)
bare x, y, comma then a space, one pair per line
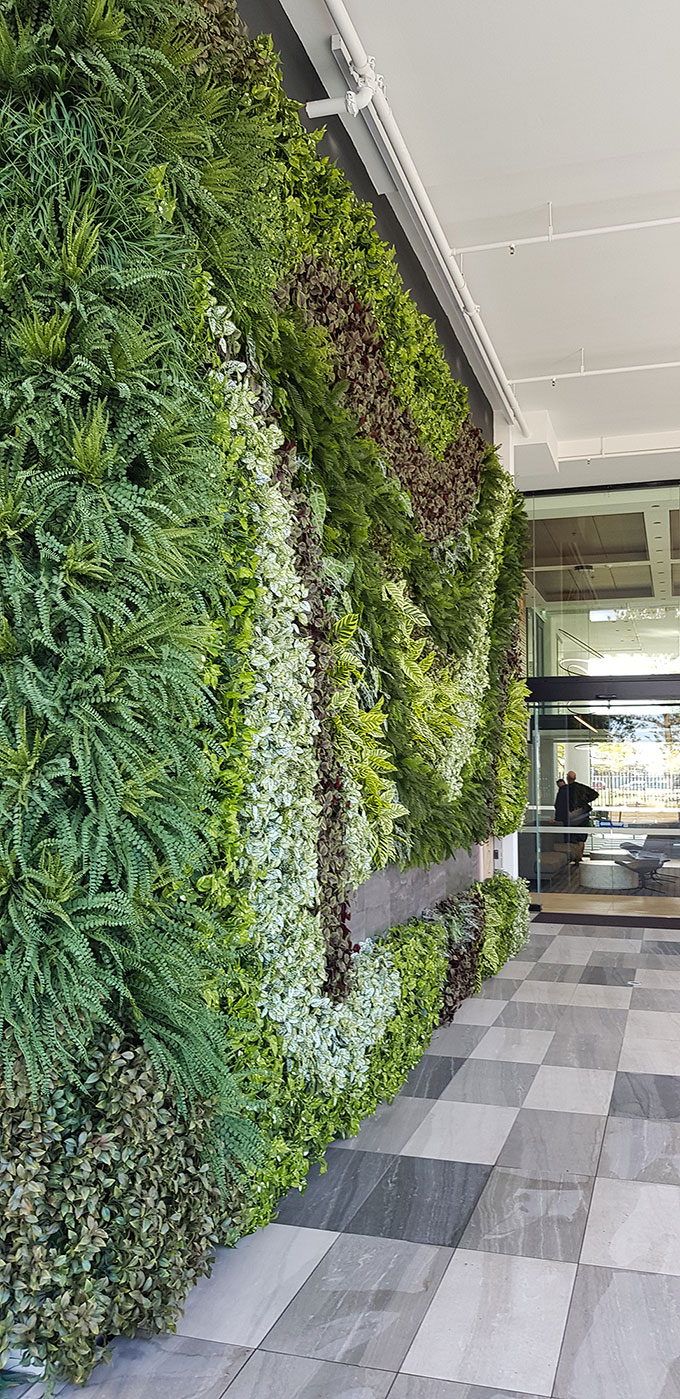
516, 969
634, 1225
640, 1149
545, 992
573, 951
556, 971
645, 998
660, 980
522, 1046
581, 1051
456, 1040
642, 1055
531, 1015
666, 934
562, 1089
461, 1131
614, 997
364, 1303
477, 1011
232, 1305
615, 959
176, 1367
268, 1376
654, 1024
613, 944
519, 1214
415, 1387
621, 1341
390, 1126
547, 1145
491, 1081
482, 1325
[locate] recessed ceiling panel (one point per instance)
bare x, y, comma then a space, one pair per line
585, 539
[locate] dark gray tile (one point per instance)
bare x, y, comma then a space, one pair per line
662, 949
499, 988
415, 1387
592, 1051
363, 1304
331, 1199
390, 1127
555, 971
520, 1214
608, 976
530, 1015
496, 1081
655, 1096
601, 930
175, 1367
538, 944
431, 1076
621, 1340
268, 1376
593, 1020
547, 1145
641, 1148
425, 1201
645, 998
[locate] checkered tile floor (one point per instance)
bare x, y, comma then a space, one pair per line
509, 1226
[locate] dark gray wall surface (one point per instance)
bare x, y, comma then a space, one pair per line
303, 83
393, 896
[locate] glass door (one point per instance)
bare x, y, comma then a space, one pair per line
602, 829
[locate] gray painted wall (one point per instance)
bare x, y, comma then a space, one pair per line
393, 896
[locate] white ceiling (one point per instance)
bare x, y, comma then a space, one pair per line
509, 104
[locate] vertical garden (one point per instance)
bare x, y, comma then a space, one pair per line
260, 581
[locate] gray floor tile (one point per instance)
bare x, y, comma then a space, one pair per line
635, 1225
176, 1367
431, 1076
654, 1024
654, 962
601, 958
663, 949
661, 980
600, 930
517, 968
555, 971
573, 950
656, 1000
640, 1054
607, 997
559, 1088
491, 1081
268, 1376
593, 1020
363, 1304
621, 1341
547, 1145
581, 1051
655, 1096
520, 1046
669, 933
390, 1126
594, 975
531, 1015
330, 1200
457, 1041
423, 1200
232, 1305
482, 1327
638, 1148
559, 993
519, 1214
415, 1387
462, 1131
499, 988
477, 1011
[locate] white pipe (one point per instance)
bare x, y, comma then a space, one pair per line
509, 244
416, 188
352, 103
597, 373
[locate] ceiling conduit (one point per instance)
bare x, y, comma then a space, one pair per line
386, 132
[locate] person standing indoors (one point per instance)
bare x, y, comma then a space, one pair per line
581, 798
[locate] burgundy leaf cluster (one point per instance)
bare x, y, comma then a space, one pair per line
443, 493
332, 859
461, 971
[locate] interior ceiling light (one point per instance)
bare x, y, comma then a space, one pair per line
585, 723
